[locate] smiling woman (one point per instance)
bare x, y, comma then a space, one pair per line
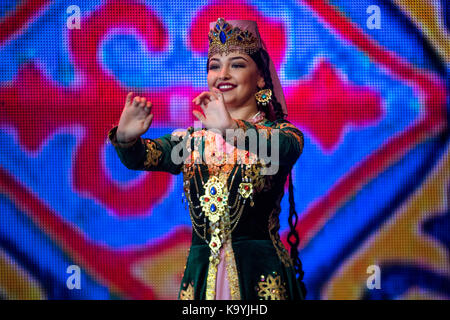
236, 75
234, 203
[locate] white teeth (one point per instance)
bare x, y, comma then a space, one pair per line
226, 87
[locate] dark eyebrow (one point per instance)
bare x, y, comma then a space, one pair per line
234, 58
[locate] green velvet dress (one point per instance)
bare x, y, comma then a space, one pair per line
234, 205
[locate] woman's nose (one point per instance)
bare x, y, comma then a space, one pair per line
223, 72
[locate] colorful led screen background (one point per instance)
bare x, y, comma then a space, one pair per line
372, 186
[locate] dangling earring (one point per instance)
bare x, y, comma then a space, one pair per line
263, 96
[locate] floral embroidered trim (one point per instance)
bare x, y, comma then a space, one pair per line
263, 128
292, 130
270, 288
274, 226
214, 204
283, 125
233, 279
254, 173
211, 281
242, 125
217, 154
296, 136
153, 154
222, 230
188, 172
187, 294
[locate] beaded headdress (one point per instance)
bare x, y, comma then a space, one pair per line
225, 38
242, 36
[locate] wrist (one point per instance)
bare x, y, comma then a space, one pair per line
120, 138
124, 142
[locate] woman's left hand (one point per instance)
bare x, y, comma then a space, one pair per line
216, 114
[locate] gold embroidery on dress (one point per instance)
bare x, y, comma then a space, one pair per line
296, 136
221, 160
187, 294
270, 288
274, 226
292, 130
153, 153
214, 204
286, 125
233, 279
254, 173
263, 128
211, 282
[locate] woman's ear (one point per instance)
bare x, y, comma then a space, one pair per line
261, 82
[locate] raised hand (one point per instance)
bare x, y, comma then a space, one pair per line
135, 120
215, 112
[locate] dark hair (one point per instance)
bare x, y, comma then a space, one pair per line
262, 59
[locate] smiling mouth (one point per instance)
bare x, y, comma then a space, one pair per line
225, 88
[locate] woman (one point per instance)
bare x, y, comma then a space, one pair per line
234, 198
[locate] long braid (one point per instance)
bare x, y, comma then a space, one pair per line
293, 219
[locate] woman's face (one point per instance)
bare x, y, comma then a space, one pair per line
240, 72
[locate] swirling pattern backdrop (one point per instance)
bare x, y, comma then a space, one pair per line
372, 186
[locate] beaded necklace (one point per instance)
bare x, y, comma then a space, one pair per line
215, 209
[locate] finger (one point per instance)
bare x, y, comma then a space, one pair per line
136, 101
148, 105
205, 100
218, 94
203, 106
142, 102
203, 95
198, 115
129, 95
214, 93
148, 120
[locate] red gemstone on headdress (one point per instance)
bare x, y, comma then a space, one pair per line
206, 199
214, 244
246, 187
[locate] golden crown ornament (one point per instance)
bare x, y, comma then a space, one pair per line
263, 96
225, 38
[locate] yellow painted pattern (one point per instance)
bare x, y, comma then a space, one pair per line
16, 283
427, 16
421, 294
400, 239
163, 273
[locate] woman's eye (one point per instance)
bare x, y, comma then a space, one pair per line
234, 66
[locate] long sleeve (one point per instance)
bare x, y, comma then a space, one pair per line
148, 154
290, 140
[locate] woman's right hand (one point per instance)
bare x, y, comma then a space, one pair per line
135, 120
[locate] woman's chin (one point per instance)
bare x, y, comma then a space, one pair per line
230, 101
